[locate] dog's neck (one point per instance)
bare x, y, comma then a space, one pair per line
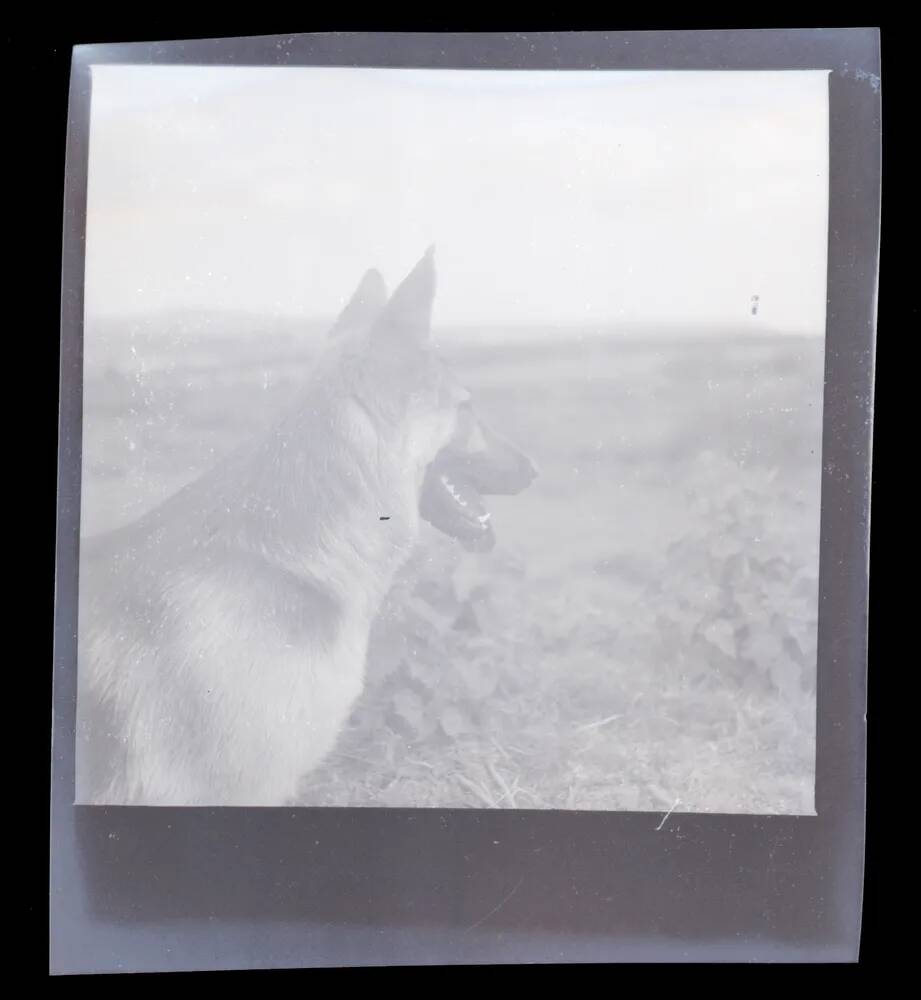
331, 498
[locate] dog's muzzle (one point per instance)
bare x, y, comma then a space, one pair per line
456, 481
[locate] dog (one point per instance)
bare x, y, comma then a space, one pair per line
222, 637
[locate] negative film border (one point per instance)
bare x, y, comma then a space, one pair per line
194, 889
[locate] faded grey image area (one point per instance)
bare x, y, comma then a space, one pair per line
645, 628
467, 545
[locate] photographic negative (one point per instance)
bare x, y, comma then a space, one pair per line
452, 438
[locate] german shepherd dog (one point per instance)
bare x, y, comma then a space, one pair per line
222, 637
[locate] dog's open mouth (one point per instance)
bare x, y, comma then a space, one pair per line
452, 504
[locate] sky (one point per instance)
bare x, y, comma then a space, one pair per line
651, 198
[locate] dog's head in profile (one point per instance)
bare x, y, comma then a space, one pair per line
418, 407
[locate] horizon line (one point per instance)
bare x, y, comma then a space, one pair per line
606, 326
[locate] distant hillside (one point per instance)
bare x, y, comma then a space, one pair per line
202, 339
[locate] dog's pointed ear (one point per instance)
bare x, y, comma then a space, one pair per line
364, 306
407, 317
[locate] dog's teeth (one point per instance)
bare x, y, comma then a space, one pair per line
452, 489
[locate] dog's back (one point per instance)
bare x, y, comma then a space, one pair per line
209, 672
